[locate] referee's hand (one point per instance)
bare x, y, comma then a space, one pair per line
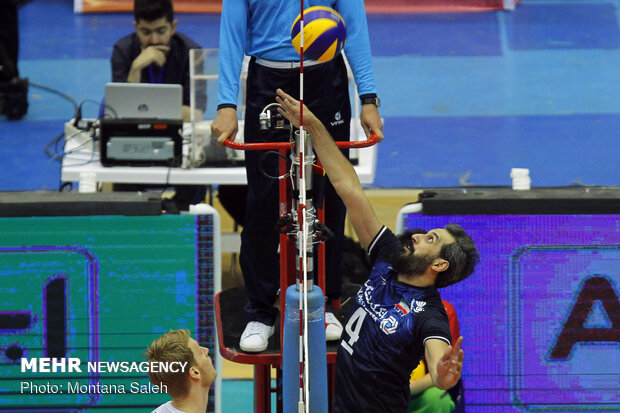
225, 125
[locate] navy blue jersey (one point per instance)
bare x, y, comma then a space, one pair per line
383, 340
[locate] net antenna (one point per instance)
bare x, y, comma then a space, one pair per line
302, 216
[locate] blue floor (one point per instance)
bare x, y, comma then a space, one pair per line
465, 97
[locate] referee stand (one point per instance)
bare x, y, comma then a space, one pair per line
232, 318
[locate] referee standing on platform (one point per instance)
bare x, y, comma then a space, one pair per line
261, 29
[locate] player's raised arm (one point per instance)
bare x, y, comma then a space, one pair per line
445, 363
339, 170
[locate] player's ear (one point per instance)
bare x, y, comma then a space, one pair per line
194, 373
174, 26
440, 265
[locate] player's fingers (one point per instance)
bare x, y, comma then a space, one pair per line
281, 102
282, 94
456, 368
457, 345
288, 104
290, 116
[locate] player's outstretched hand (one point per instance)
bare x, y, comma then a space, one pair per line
291, 109
450, 365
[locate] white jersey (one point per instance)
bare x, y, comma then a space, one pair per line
167, 408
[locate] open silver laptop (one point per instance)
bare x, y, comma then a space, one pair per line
143, 101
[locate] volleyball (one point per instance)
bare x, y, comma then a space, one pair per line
324, 33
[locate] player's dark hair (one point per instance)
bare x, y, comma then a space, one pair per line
151, 10
462, 256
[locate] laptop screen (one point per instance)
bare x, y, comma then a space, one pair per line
143, 101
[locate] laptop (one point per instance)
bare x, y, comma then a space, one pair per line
143, 101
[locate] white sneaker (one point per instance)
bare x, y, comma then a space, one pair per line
255, 337
333, 328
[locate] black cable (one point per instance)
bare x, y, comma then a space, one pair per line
77, 116
261, 167
56, 92
64, 185
104, 105
53, 142
76, 108
174, 162
58, 138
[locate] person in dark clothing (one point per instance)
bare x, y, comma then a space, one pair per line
157, 53
261, 30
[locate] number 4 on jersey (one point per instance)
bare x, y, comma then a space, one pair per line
353, 328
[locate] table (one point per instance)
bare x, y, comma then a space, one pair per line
81, 164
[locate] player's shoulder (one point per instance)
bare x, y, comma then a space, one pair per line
383, 245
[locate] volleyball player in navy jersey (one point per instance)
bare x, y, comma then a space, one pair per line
398, 317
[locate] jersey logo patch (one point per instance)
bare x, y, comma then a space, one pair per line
389, 325
418, 306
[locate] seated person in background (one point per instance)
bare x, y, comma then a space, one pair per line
157, 53
189, 389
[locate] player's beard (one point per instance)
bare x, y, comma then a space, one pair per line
406, 263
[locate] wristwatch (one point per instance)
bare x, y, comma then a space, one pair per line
370, 100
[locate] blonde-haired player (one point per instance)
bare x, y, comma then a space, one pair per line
189, 388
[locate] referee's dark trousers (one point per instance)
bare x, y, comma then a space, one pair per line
326, 93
